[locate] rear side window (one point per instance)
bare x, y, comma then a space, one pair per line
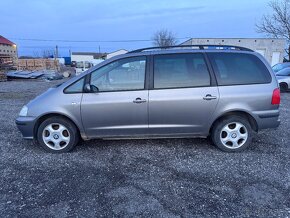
180, 71
239, 69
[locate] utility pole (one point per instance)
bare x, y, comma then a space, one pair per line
56, 52
55, 57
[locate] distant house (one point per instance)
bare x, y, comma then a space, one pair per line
115, 53
8, 52
86, 56
272, 49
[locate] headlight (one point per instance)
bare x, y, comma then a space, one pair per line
23, 112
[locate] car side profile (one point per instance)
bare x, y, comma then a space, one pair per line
224, 92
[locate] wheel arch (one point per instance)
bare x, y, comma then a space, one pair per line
244, 114
284, 83
49, 115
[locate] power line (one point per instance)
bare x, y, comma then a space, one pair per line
88, 41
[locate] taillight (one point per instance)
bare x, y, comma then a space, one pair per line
276, 96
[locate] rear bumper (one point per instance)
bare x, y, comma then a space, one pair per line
26, 126
268, 119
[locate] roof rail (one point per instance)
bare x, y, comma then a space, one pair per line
201, 47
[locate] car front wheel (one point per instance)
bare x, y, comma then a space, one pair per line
232, 134
57, 135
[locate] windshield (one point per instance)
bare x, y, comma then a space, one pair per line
279, 67
80, 64
87, 64
285, 72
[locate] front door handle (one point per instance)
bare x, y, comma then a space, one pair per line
209, 97
139, 100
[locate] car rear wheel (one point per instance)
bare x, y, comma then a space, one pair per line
283, 87
232, 134
57, 135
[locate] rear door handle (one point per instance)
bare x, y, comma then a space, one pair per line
209, 97
139, 100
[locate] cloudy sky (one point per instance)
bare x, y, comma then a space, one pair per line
84, 25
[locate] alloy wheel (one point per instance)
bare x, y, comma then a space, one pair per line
56, 136
234, 135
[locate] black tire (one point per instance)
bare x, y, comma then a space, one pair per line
217, 133
283, 87
71, 131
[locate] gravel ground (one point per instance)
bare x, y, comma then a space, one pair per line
148, 178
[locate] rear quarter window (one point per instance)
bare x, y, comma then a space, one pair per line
239, 69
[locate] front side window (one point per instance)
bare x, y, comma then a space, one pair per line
180, 71
121, 75
239, 69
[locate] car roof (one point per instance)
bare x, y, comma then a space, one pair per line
175, 49
179, 51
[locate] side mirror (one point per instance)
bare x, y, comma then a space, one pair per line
91, 88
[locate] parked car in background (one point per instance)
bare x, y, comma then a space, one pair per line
226, 93
283, 77
277, 67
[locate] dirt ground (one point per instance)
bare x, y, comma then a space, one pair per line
147, 178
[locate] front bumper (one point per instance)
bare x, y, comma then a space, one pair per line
26, 126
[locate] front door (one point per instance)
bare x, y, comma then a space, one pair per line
120, 107
182, 99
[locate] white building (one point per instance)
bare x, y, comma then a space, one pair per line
272, 49
85, 56
115, 53
82, 61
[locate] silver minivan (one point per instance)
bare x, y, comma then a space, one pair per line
225, 92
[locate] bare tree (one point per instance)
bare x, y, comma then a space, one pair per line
163, 38
47, 53
277, 24
44, 53
36, 54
